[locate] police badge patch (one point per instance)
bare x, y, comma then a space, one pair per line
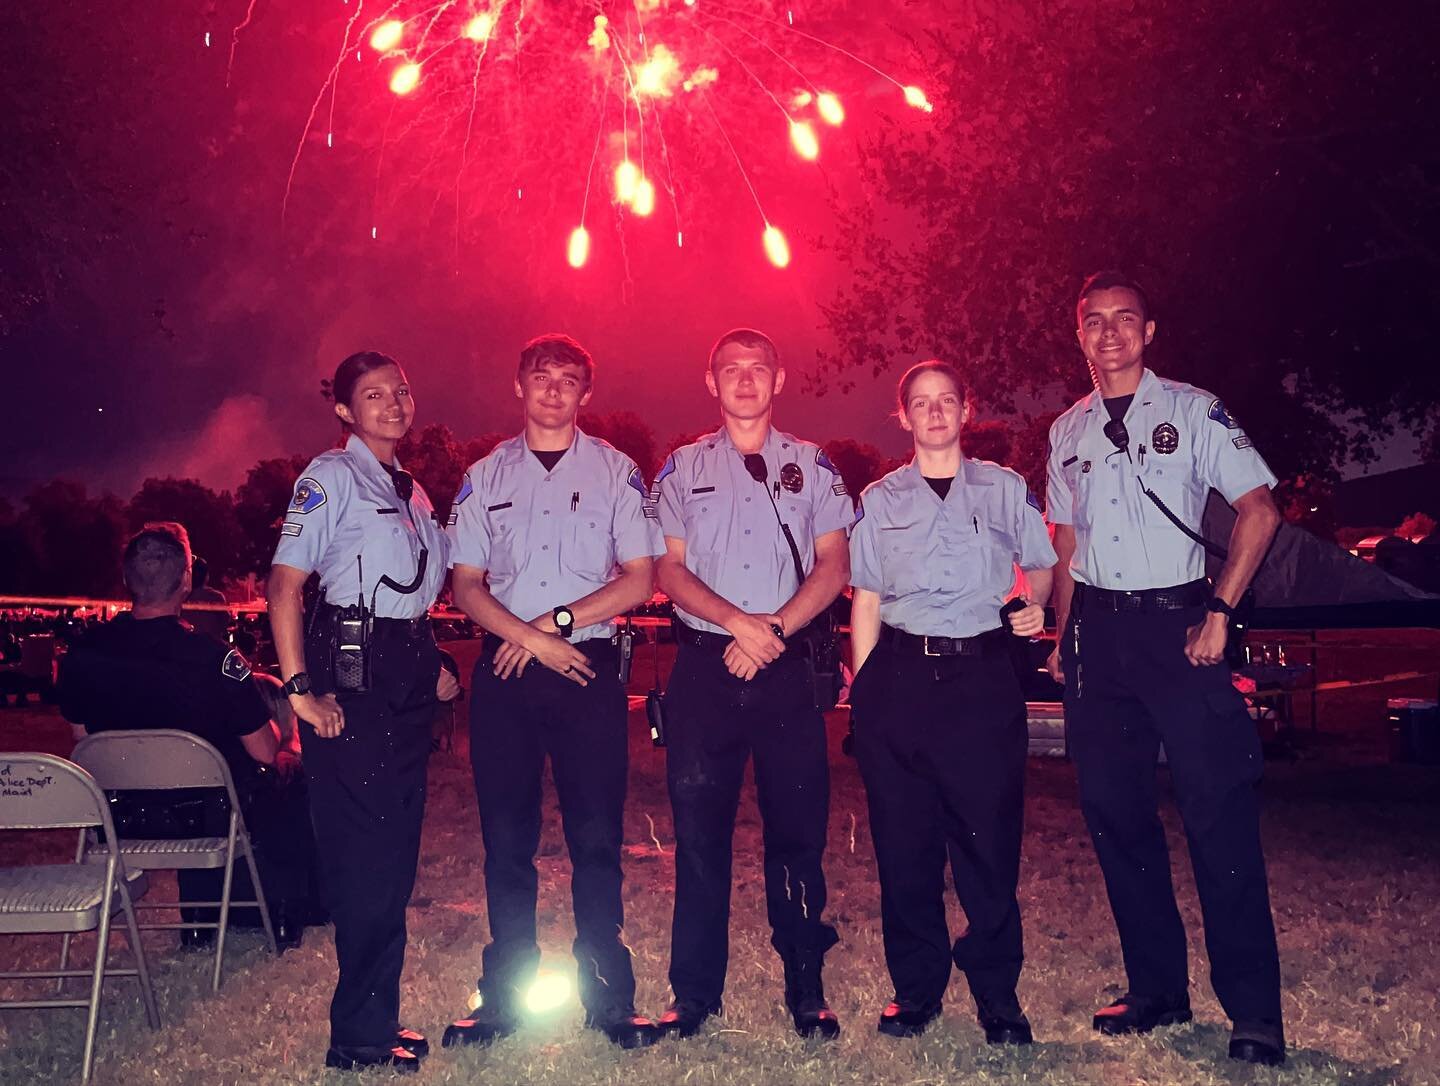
1165, 438
309, 496
235, 666
792, 478
1223, 417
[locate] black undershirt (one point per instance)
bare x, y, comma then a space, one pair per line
549, 458
1118, 405
940, 486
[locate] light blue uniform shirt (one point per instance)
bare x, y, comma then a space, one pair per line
1182, 443
345, 506
943, 568
549, 538
705, 496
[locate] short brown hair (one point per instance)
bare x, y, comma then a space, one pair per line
747, 337
555, 349
155, 561
933, 365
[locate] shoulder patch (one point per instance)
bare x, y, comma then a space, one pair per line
466, 489
859, 513
1242, 442
235, 666
309, 496
825, 462
637, 480
1218, 413
291, 528
668, 468
1032, 501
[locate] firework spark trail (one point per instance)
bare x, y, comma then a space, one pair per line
852, 833
235, 39
315, 108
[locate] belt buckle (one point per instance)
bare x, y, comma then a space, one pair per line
926, 647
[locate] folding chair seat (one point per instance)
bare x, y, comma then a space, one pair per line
164, 759
39, 792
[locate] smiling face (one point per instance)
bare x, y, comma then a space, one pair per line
934, 411
745, 380
381, 407
1113, 331
553, 393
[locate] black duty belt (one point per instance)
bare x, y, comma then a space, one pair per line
407, 627
922, 645
1176, 598
700, 639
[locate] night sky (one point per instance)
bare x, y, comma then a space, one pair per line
158, 318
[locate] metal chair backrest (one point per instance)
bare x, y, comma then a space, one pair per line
41, 791
153, 758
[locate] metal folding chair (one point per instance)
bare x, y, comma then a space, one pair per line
38, 792
166, 758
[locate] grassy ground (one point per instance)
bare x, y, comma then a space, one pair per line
1353, 849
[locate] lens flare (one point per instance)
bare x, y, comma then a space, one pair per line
387, 35
579, 249
776, 247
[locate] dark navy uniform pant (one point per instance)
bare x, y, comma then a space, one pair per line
515, 724
941, 743
1128, 690
714, 723
367, 800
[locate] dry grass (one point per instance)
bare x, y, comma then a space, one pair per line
1353, 865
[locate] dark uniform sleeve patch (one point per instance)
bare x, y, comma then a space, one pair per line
235, 666
1223, 417
465, 491
825, 462
859, 513
309, 496
1032, 501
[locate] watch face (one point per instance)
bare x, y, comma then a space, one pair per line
564, 617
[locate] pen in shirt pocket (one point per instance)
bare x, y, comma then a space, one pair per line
574, 500
976, 522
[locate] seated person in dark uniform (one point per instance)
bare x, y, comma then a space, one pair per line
148, 669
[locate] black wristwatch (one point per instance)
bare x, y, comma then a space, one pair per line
564, 620
299, 683
1216, 606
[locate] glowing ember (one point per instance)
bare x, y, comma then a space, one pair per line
916, 97
644, 200
387, 36
802, 136
405, 78
579, 250
829, 108
478, 28
776, 247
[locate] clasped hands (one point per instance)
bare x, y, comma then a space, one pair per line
548, 648
755, 644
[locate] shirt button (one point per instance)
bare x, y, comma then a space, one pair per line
547, 512
747, 499
1117, 577
1115, 539
747, 531
545, 546
747, 565
1114, 501
543, 583
744, 603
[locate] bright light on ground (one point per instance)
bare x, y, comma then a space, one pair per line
548, 992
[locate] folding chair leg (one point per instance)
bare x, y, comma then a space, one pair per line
97, 982
142, 971
264, 904
64, 962
224, 906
